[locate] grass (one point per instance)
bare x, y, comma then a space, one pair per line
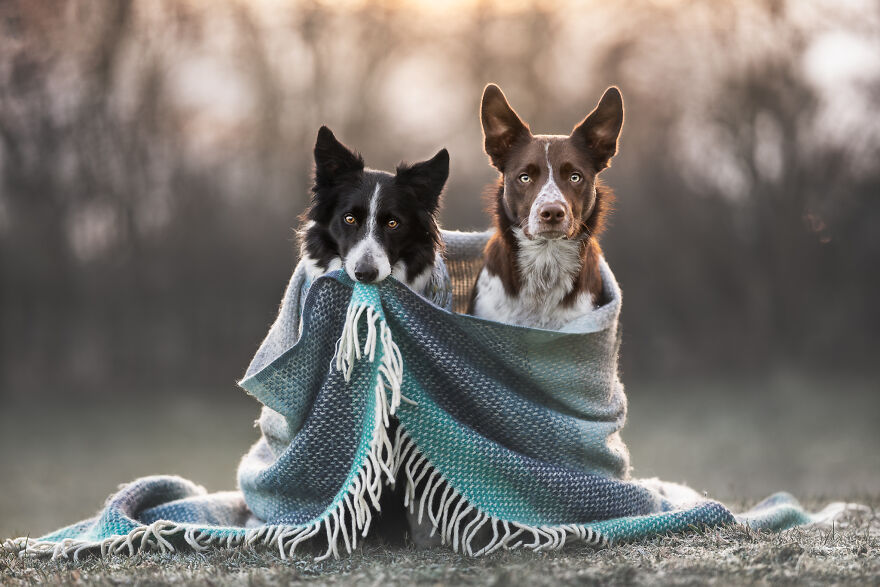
849, 555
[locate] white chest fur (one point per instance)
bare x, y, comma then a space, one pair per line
547, 272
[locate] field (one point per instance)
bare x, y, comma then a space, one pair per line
815, 438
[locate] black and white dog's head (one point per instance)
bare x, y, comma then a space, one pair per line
372, 223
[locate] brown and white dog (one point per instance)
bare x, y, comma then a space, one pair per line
542, 264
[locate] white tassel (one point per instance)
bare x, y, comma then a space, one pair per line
349, 350
492, 542
431, 516
449, 515
456, 524
469, 532
429, 486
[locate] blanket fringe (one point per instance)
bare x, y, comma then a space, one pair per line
348, 351
459, 523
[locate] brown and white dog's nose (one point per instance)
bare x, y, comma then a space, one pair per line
552, 213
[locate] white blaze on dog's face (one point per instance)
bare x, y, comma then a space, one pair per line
367, 260
550, 180
550, 214
372, 223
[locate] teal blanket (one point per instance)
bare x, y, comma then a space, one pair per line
501, 436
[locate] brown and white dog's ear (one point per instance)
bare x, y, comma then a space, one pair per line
502, 128
601, 128
333, 160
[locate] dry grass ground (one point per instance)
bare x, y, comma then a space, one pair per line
724, 556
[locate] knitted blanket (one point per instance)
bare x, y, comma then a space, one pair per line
506, 437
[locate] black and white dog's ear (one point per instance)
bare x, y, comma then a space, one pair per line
502, 128
598, 132
334, 164
333, 160
425, 179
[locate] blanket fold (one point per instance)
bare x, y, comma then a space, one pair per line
505, 437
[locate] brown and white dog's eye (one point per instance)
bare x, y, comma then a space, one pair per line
392, 223
575, 177
350, 219
524, 178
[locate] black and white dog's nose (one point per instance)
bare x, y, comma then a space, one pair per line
366, 272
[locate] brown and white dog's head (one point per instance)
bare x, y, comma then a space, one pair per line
550, 181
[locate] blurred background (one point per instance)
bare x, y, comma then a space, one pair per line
154, 157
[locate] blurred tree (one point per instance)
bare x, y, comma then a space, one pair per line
154, 158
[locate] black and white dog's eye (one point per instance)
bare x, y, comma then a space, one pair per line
575, 177
524, 178
392, 223
349, 219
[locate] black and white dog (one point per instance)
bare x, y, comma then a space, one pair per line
374, 224
371, 223
542, 264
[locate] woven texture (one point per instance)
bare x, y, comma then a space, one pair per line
506, 437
